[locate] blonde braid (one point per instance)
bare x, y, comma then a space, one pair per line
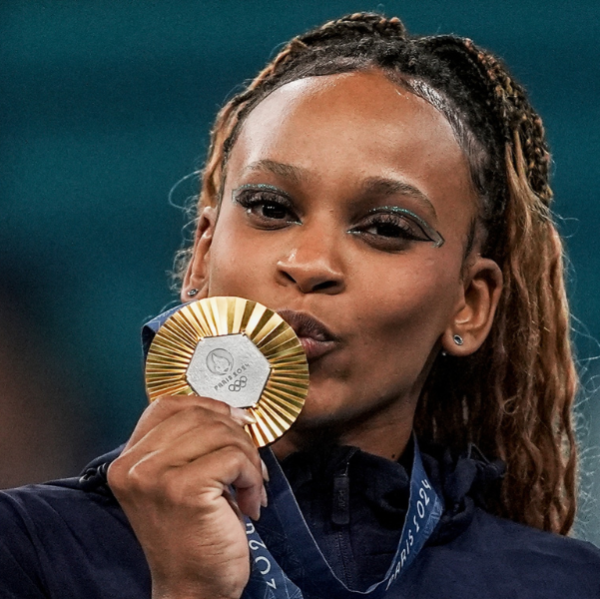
531, 331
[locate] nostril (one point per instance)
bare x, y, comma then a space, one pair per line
310, 275
288, 276
324, 285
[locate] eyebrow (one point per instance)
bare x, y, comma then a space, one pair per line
381, 186
295, 173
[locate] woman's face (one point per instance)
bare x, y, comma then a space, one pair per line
334, 192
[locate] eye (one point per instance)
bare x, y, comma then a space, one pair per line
266, 206
394, 229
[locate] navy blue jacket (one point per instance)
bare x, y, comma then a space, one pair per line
70, 539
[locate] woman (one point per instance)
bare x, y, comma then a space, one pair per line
389, 196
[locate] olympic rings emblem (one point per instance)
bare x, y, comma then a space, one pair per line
238, 385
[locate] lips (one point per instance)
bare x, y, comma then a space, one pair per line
316, 339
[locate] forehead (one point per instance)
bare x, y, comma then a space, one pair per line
345, 101
357, 124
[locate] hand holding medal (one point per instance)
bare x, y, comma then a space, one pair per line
236, 351
175, 475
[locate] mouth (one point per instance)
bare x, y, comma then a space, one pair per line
316, 339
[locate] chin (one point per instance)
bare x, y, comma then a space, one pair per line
319, 419
310, 419
322, 408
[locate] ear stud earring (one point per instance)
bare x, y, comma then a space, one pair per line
458, 339
192, 292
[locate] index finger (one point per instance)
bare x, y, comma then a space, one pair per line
166, 406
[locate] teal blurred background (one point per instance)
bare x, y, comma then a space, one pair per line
105, 106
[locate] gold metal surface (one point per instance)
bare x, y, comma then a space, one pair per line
286, 388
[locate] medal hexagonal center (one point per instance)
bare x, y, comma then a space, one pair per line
229, 368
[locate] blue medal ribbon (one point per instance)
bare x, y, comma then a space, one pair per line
150, 328
300, 564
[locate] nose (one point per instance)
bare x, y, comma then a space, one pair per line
313, 262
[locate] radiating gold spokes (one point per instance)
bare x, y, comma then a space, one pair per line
176, 344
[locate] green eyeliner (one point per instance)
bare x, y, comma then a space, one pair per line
434, 236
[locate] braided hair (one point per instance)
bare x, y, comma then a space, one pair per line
513, 397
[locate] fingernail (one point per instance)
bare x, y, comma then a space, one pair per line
263, 497
265, 472
241, 416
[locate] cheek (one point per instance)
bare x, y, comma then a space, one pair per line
414, 304
236, 261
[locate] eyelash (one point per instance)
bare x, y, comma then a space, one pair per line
405, 228
251, 199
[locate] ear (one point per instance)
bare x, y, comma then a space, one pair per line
474, 316
196, 275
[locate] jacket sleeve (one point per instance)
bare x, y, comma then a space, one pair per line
20, 569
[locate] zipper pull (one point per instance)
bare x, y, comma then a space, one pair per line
340, 513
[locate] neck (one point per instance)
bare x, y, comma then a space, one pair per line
385, 437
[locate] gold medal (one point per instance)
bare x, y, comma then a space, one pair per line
237, 351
